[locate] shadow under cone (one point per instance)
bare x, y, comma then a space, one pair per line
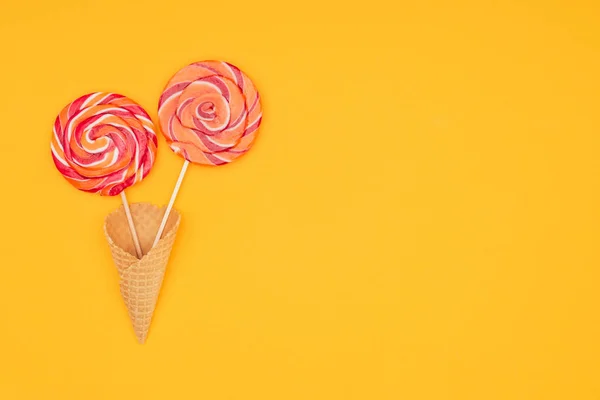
141, 279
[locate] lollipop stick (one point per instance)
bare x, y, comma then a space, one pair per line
163, 223
136, 242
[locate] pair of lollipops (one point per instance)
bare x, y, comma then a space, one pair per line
103, 143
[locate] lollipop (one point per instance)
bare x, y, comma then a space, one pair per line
104, 143
209, 112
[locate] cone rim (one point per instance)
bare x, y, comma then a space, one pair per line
168, 234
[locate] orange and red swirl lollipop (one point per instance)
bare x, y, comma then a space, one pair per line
210, 113
104, 143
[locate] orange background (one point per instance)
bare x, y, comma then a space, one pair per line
419, 218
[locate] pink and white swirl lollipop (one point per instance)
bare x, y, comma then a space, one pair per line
104, 143
209, 112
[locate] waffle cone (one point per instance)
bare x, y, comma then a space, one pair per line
140, 279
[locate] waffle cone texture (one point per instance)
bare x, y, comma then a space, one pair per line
140, 279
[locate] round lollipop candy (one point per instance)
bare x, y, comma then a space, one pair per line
104, 143
209, 112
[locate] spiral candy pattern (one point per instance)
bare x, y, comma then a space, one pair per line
103, 143
210, 112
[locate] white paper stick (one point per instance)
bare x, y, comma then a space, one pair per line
163, 223
136, 241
